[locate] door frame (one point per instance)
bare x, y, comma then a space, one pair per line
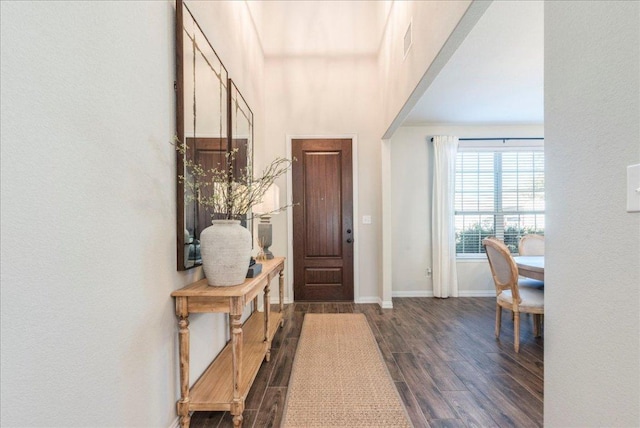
356, 222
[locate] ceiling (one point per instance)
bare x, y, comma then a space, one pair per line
320, 28
494, 77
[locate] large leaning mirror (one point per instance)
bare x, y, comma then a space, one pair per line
202, 124
216, 124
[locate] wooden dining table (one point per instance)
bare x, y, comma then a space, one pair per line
530, 266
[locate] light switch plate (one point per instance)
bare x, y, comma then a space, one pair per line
633, 188
366, 219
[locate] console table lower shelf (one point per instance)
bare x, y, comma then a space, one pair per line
226, 382
214, 389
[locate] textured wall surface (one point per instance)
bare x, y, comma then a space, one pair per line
592, 296
88, 243
88, 246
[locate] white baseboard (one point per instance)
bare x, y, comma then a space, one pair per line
461, 293
369, 299
175, 423
476, 293
386, 304
375, 299
414, 293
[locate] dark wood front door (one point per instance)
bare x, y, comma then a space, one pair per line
322, 220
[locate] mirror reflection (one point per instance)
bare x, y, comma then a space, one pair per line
241, 140
204, 127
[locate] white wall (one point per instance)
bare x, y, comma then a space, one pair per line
88, 332
314, 93
336, 96
319, 28
592, 297
592, 107
432, 23
411, 195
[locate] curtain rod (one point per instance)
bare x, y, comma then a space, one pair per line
503, 139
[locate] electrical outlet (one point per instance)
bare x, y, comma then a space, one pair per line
428, 272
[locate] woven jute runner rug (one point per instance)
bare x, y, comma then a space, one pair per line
339, 378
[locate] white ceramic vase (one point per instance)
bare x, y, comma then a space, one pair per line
225, 247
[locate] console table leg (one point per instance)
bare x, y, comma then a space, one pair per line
236, 410
236, 351
183, 339
185, 421
267, 314
237, 421
281, 289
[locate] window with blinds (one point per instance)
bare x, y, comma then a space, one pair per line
498, 193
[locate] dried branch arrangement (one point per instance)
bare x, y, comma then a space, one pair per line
229, 194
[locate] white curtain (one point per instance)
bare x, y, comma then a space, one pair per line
443, 242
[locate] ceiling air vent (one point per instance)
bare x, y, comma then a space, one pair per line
407, 40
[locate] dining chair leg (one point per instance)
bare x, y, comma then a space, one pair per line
536, 325
498, 320
540, 324
516, 331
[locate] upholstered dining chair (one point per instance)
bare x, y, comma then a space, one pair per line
531, 245
509, 295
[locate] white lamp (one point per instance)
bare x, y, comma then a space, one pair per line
265, 209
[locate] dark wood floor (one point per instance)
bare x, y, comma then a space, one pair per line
442, 354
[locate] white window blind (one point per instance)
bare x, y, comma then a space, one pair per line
499, 192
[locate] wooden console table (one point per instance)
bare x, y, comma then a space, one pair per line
226, 382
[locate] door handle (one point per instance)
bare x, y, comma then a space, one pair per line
349, 240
